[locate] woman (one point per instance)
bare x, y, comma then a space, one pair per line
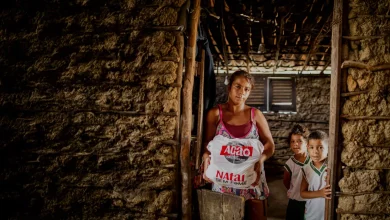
234, 119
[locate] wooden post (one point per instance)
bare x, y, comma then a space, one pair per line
179, 80
199, 132
328, 174
334, 124
187, 113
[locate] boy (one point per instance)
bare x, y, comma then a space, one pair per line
313, 185
292, 174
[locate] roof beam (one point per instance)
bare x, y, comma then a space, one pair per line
214, 43
313, 44
278, 42
326, 65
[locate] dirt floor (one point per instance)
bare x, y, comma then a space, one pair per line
277, 201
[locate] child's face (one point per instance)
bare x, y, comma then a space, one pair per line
297, 144
317, 150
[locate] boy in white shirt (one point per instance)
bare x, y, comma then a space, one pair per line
293, 175
313, 185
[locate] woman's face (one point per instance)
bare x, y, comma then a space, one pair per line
239, 90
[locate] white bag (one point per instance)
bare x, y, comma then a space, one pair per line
232, 161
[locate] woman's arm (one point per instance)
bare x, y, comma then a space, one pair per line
210, 128
266, 139
265, 136
306, 194
286, 179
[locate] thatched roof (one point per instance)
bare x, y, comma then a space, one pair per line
270, 36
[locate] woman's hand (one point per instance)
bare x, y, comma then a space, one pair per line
258, 172
206, 163
326, 192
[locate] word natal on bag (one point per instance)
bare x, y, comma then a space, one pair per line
232, 161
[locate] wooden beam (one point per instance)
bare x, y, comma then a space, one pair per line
186, 189
224, 43
98, 111
255, 53
173, 59
368, 168
170, 142
328, 175
335, 90
248, 57
368, 15
167, 28
238, 46
361, 65
351, 117
362, 193
313, 44
179, 44
199, 132
379, 146
347, 94
340, 211
326, 65
278, 42
214, 43
356, 38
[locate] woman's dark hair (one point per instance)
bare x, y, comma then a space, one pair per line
242, 73
298, 130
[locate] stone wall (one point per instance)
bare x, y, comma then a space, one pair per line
312, 98
364, 153
87, 106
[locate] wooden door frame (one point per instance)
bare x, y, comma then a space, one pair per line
334, 116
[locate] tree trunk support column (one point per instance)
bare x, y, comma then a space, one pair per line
187, 113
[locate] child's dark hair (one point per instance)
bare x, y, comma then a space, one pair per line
298, 130
318, 135
242, 73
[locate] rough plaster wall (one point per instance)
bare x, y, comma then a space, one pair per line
72, 73
361, 136
312, 111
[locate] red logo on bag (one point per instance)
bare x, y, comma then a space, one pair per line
236, 152
230, 176
230, 150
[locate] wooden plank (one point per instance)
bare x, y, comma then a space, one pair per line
199, 132
334, 123
328, 170
352, 117
233, 207
201, 204
186, 188
347, 94
219, 206
356, 38
362, 193
210, 205
179, 44
361, 65
340, 211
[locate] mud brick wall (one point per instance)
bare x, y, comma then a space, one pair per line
312, 98
88, 109
364, 154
